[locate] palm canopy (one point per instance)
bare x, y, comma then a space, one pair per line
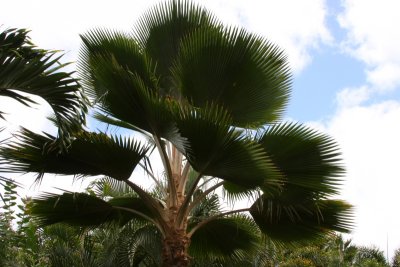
209, 99
25, 69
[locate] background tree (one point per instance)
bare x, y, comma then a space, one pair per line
208, 99
370, 256
396, 258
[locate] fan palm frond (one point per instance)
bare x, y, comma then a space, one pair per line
225, 238
85, 210
88, 154
27, 69
309, 161
221, 151
305, 220
243, 66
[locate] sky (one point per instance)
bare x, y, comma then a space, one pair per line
345, 59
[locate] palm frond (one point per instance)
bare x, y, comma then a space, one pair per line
215, 149
108, 187
89, 154
227, 238
206, 208
27, 69
246, 74
119, 123
148, 241
233, 193
112, 47
123, 95
80, 209
160, 31
300, 221
308, 160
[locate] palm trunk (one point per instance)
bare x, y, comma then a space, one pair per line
176, 241
175, 249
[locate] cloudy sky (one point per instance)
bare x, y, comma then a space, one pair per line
345, 58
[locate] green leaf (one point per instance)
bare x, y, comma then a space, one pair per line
107, 187
73, 208
27, 69
215, 149
208, 207
244, 73
88, 155
232, 237
112, 48
124, 95
300, 220
308, 160
81, 209
160, 31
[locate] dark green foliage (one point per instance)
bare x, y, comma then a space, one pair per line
86, 210
300, 222
208, 99
396, 258
230, 238
27, 69
88, 154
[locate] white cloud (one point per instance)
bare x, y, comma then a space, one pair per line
373, 37
297, 26
369, 139
16, 115
369, 133
57, 24
385, 76
350, 97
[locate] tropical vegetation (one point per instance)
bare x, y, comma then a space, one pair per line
198, 106
135, 244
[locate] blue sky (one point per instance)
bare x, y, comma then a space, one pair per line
346, 61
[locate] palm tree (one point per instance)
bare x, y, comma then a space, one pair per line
208, 99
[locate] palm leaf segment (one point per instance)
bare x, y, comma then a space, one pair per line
311, 166
89, 154
86, 210
27, 69
184, 79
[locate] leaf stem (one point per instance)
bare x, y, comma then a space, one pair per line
152, 176
214, 218
141, 215
149, 202
183, 210
203, 195
168, 170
